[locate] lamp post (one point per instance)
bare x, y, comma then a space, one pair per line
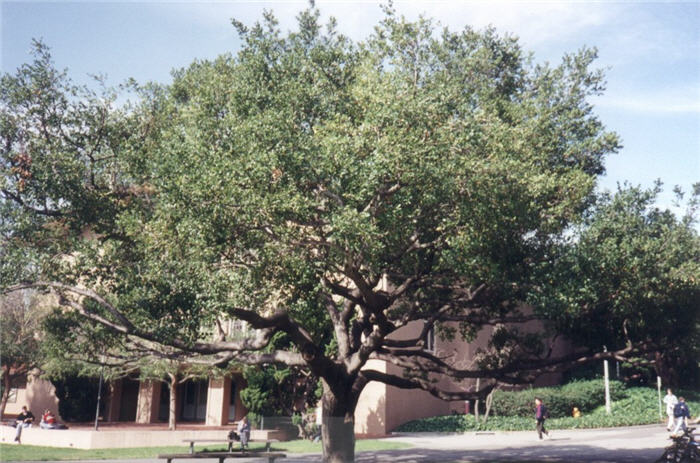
99, 397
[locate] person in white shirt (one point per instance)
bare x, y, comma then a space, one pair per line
670, 400
244, 431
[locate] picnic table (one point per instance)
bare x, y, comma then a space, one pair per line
268, 442
221, 456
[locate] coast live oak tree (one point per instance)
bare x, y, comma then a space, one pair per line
631, 277
323, 191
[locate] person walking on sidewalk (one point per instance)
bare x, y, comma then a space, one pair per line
541, 414
670, 400
682, 414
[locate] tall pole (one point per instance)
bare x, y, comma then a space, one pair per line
606, 374
476, 402
658, 388
99, 397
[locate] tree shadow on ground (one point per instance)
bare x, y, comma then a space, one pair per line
540, 452
534, 453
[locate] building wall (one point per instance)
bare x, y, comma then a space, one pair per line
148, 402
371, 413
383, 408
38, 395
217, 402
217, 408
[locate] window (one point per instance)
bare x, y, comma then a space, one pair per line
236, 326
237, 329
18, 383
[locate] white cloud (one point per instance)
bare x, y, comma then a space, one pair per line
534, 22
669, 100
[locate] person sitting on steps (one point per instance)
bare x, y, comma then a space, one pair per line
23, 420
244, 432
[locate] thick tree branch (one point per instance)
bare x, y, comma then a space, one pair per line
239, 349
339, 327
16, 198
421, 362
373, 206
426, 385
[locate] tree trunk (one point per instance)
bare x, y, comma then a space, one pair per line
476, 402
5, 392
338, 426
665, 370
489, 402
172, 406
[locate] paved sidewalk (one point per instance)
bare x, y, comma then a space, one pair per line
637, 444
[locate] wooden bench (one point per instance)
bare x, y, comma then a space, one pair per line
221, 456
230, 442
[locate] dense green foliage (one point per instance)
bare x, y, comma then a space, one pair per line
636, 406
631, 277
586, 395
77, 398
297, 175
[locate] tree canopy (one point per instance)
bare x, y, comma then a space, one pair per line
324, 191
631, 277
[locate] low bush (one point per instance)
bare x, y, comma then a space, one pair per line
639, 406
586, 395
77, 398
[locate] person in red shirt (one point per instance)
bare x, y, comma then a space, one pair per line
48, 420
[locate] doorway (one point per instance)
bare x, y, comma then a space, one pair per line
232, 403
194, 400
129, 400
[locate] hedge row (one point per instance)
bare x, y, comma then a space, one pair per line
586, 395
639, 407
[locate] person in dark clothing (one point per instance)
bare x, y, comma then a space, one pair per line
541, 415
682, 414
23, 420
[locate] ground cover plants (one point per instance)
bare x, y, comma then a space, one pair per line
630, 406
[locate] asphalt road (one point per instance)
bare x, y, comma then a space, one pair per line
618, 445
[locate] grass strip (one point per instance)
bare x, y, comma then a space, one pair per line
9, 452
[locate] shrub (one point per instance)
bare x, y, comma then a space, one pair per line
77, 398
640, 406
586, 395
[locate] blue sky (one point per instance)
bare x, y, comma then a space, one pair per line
651, 51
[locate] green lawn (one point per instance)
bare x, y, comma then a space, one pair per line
32, 452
